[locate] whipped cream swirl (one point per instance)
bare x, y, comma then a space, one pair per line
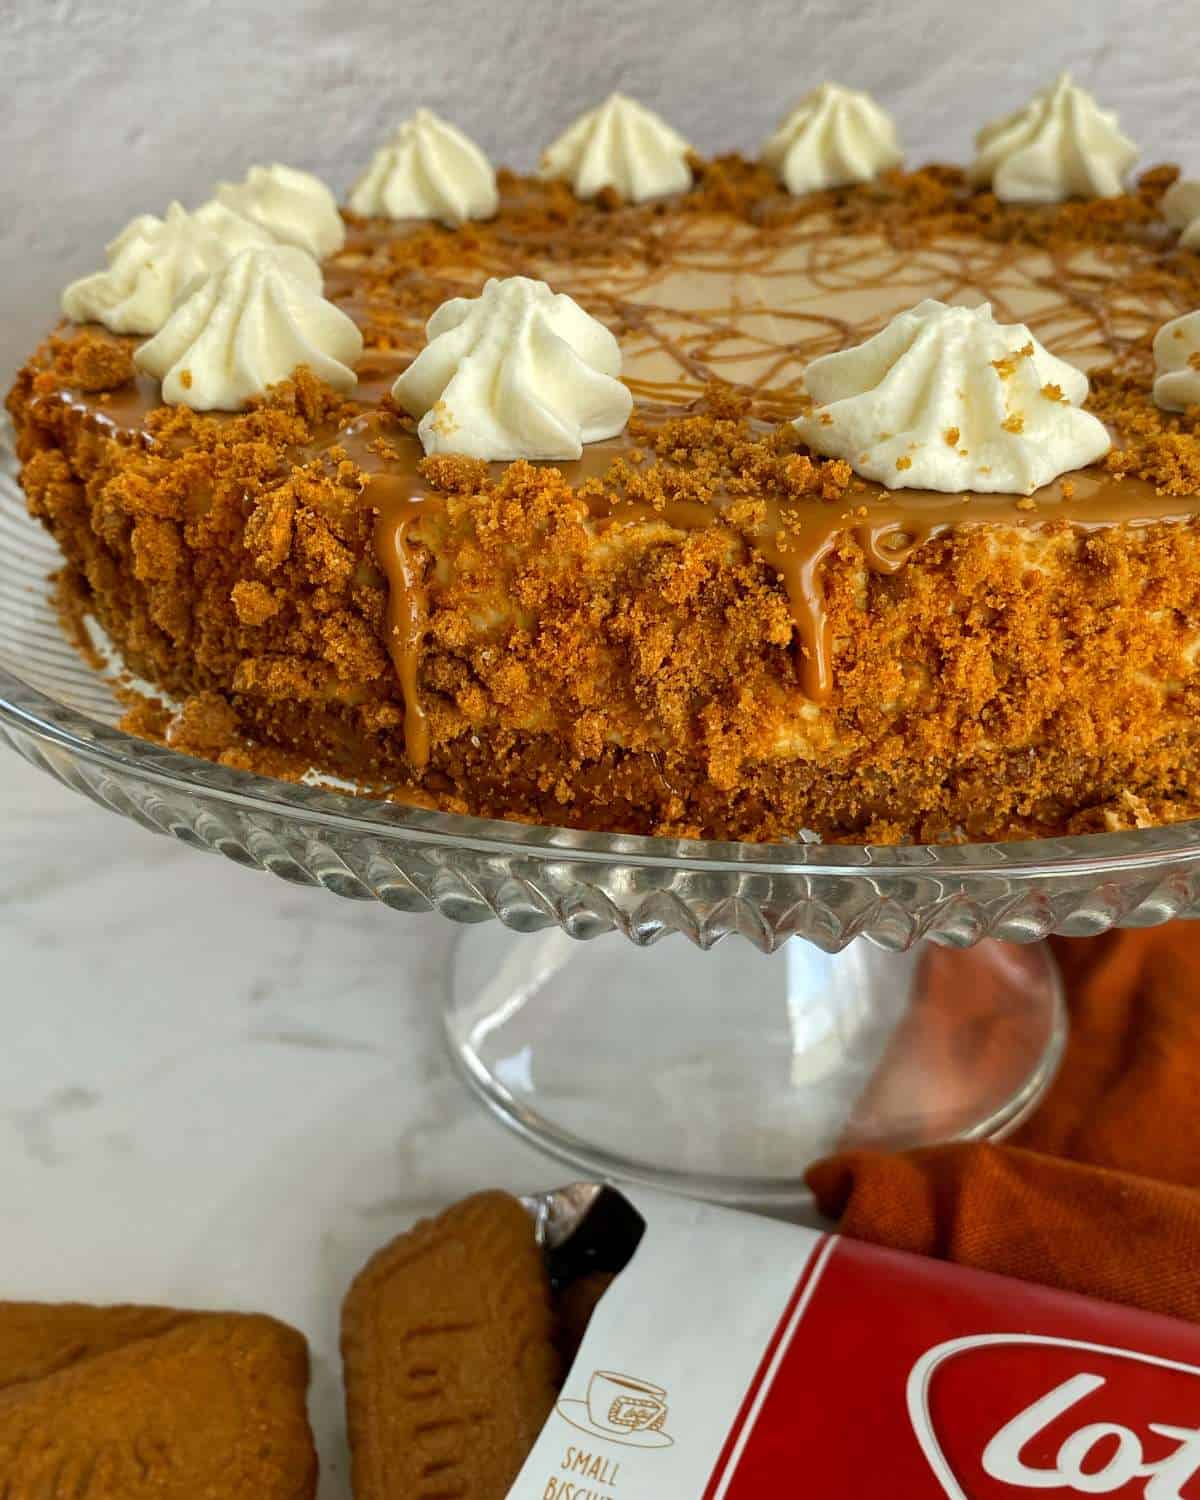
945, 398
428, 170
620, 145
295, 207
1181, 209
834, 136
1059, 145
1177, 363
517, 372
151, 261
248, 326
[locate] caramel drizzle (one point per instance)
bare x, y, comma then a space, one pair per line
1091, 304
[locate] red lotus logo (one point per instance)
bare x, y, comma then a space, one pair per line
997, 1414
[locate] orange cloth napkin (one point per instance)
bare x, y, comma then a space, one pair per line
1099, 1192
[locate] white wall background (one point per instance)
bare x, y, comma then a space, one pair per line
114, 108
173, 1091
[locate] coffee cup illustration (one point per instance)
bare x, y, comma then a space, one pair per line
622, 1408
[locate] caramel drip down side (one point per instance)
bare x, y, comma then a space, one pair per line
800, 570
795, 537
407, 606
394, 489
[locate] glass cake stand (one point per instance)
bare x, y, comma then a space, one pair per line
915, 1002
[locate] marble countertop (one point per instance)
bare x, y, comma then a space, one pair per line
216, 1089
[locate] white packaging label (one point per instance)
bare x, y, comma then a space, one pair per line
652, 1394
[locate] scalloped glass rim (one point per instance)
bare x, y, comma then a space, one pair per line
28, 709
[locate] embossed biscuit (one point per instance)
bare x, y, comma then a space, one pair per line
451, 1370
143, 1403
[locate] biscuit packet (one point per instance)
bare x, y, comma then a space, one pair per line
735, 1357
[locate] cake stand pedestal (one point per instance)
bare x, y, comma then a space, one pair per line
727, 1073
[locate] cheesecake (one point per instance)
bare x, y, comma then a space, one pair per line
568, 498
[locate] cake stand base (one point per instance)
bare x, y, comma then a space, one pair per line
725, 1074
